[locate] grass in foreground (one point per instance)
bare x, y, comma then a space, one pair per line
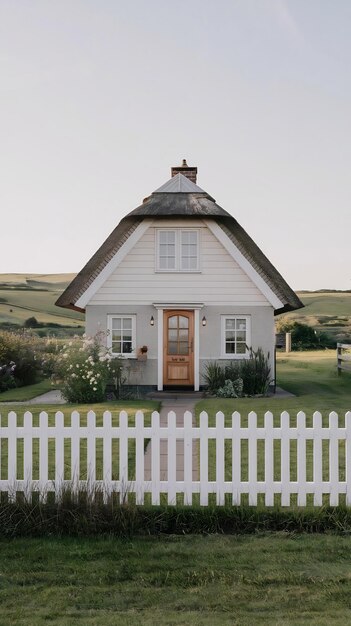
228, 580
22, 394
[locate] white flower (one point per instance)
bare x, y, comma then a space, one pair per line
94, 388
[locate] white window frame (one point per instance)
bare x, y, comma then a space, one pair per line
110, 318
246, 354
178, 250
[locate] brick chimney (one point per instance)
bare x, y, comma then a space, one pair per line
189, 172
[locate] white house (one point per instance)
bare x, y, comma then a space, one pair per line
180, 276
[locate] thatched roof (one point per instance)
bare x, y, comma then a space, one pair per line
183, 199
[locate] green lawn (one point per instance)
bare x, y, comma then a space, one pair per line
22, 394
272, 579
311, 376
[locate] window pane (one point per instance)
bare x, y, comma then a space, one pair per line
127, 347
241, 335
183, 347
229, 347
240, 348
173, 321
116, 335
230, 324
192, 263
167, 236
127, 323
230, 335
116, 347
127, 336
183, 334
241, 324
183, 322
172, 335
185, 263
116, 322
172, 347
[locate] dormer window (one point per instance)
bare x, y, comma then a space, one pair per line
177, 250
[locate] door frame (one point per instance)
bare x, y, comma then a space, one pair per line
161, 307
189, 357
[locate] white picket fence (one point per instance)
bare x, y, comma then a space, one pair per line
28, 449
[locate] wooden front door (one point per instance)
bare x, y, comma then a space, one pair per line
178, 348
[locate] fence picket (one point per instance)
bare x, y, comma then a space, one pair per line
43, 456
12, 456
172, 458
27, 455
285, 458
203, 458
333, 459
301, 459
188, 457
155, 458
236, 459
220, 465
178, 481
269, 458
123, 456
317, 459
59, 453
139, 457
252, 452
107, 455
348, 457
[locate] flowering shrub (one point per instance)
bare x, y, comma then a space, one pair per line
22, 349
86, 367
7, 376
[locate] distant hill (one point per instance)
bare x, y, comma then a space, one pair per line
34, 295
325, 310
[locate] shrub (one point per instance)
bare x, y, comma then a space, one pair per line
31, 322
248, 377
23, 349
256, 373
214, 376
86, 367
231, 389
305, 337
7, 376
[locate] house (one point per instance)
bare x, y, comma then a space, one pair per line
181, 277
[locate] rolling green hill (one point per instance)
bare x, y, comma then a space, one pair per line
34, 295
326, 311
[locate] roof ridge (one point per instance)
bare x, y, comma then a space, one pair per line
179, 184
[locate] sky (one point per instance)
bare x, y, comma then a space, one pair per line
99, 98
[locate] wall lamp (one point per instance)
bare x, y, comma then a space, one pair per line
152, 321
204, 321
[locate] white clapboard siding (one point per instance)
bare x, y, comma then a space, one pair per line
220, 280
213, 443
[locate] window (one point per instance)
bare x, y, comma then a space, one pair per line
236, 336
177, 250
122, 336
